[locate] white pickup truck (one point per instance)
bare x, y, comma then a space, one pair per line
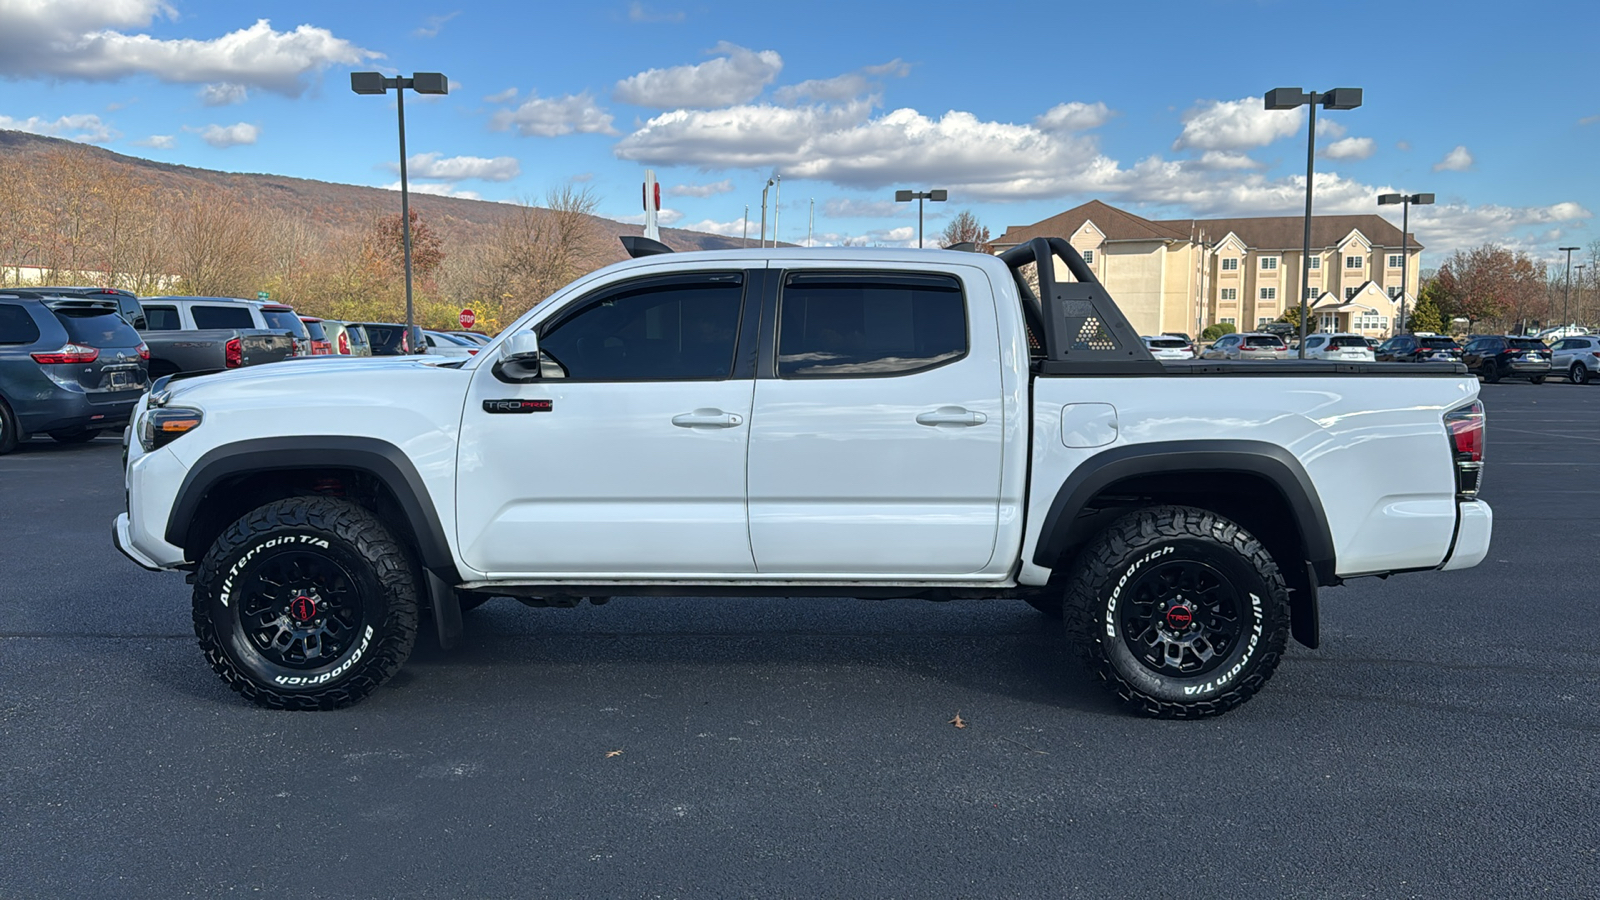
800, 423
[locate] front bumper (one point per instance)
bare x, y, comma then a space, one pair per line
124, 543
1473, 530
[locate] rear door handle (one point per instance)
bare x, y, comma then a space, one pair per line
708, 418
952, 415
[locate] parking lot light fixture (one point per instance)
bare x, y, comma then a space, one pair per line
422, 83
1405, 201
937, 196
1294, 98
1566, 299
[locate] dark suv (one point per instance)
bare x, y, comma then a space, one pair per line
1495, 357
390, 339
68, 368
1419, 348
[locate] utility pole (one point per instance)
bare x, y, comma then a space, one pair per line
777, 206
1566, 302
744, 236
811, 226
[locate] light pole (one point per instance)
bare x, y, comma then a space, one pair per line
744, 236
1294, 98
1566, 301
422, 83
938, 196
764, 190
1405, 201
811, 223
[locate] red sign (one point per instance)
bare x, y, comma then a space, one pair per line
467, 318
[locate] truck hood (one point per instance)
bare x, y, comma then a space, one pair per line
304, 375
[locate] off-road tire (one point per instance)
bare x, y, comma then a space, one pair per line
1578, 374
10, 429
1161, 541
380, 576
83, 436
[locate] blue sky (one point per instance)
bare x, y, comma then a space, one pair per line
1020, 111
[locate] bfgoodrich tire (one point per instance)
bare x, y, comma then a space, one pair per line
306, 603
1178, 611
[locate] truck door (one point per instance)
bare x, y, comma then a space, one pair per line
876, 438
628, 456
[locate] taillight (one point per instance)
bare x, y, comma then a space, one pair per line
233, 354
344, 344
1465, 424
68, 354
144, 351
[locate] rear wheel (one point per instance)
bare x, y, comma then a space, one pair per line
75, 437
306, 603
1179, 612
1578, 374
10, 432
1491, 373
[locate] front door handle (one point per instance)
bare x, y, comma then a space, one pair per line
708, 418
952, 415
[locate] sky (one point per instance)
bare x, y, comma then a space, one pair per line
1019, 111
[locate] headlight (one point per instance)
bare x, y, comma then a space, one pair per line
160, 427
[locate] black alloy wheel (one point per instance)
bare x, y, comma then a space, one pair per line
300, 609
1181, 617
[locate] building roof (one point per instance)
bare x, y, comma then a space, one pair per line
1288, 232
1258, 232
1115, 224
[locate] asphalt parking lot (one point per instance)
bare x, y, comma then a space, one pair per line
1444, 741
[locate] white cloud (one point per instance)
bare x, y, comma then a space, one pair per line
553, 116
1329, 129
1448, 227
842, 87
1351, 148
737, 76
1589, 120
1236, 125
433, 24
437, 167
701, 190
505, 96
441, 190
1220, 159
848, 208
225, 136
1402, 145
158, 141
664, 217
1457, 160
1074, 116
638, 12
79, 39
223, 94
85, 128
736, 228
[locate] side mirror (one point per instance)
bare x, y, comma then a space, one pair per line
519, 361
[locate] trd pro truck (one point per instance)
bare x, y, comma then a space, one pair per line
803, 422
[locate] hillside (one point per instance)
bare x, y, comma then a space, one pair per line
329, 203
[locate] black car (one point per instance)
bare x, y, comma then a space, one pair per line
389, 339
68, 368
1419, 348
1507, 356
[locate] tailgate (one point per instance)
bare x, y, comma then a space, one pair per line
259, 347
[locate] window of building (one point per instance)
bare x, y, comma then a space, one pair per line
1228, 320
1230, 264
1371, 322
1395, 260
1088, 257
857, 323
673, 328
1230, 294
1312, 293
1269, 263
1316, 263
1264, 321
1350, 293
1269, 293
1394, 292
1354, 262
1330, 321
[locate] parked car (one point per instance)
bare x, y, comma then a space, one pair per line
1344, 347
347, 339
279, 317
209, 334
390, 339
1249, 345
321, 345
69, 368
1564, 331
1578, 357
1507, 356
1419, 347
646, 431
127, 303
1169, 347
477, 337
443, 344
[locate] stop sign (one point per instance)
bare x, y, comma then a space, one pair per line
467, 318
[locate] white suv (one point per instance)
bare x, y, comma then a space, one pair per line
1578, 357
1343, 347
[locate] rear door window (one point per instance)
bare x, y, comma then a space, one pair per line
316, 331
206, 316
16, 326
854, 324
162, 318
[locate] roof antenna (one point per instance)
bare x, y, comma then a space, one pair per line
638, 246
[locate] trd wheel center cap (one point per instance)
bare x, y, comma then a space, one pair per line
1179, 617
303, 608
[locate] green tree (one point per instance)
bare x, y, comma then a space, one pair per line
1213, 332
1292, 316
1427, 314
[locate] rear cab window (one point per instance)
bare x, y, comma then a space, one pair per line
314, 329
853, 324
209, 316
284, 319
162, 318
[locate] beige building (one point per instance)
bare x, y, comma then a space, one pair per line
1184, 274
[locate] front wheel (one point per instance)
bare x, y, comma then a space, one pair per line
306, 603
1178, 611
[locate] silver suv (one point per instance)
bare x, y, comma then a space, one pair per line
1250, 345
1578, 357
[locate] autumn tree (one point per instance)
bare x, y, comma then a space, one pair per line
216, 245
1491, 283
965, 228
532, 252
427, 247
